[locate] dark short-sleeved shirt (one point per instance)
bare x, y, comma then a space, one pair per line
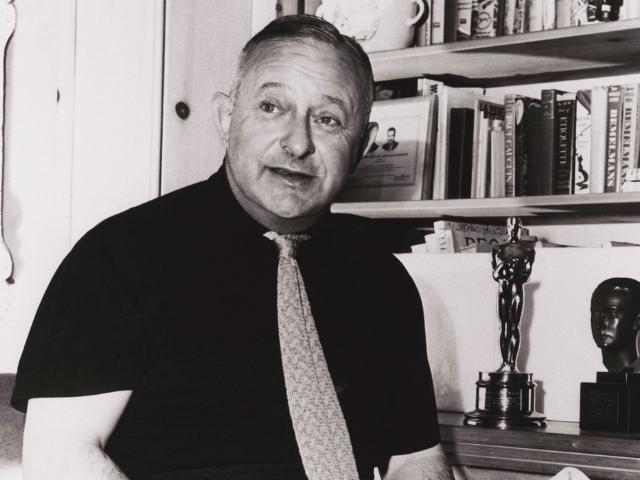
176, 300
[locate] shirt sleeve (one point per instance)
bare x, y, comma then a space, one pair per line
412, 420
88, 335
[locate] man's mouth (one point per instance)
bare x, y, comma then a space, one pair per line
292, 174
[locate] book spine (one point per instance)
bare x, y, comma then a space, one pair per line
437, 22
565, 146
563, 13
485, 18
497, 159
547, 168
598, 139
593, 10
424, 32
628, 154
614, 104
509, 121
520, 17
583, 143
535, 17
465, 10
450, 20
509, 20
548, 14
521, 144
533, 147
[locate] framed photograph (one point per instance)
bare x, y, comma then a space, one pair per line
393, 168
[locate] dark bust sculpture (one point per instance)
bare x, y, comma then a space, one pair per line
615, 322
512, 263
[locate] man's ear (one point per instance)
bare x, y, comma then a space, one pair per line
636, 323
368, 137
222, 109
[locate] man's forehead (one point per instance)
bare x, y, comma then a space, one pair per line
271, 65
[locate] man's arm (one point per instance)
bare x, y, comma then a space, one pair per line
430, 464
64, 438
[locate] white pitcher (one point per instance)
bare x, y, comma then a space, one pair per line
376, 24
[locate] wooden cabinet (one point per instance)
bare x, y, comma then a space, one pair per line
485, 453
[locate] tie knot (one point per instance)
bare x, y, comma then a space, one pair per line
287, 243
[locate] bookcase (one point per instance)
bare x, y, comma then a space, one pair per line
513, 62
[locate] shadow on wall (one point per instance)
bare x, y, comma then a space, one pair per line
525, 324
443, 367
11, 428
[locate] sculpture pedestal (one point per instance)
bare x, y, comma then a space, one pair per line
612, 404
505, 399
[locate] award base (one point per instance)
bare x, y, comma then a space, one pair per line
612, 404
505, 399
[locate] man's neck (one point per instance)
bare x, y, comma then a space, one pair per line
617, 360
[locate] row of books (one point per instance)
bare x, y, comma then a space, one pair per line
560, 143
566, 142
457, 20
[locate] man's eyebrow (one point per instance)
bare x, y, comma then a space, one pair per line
270, 85
336, 101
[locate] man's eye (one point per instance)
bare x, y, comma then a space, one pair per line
269, 107
329, 121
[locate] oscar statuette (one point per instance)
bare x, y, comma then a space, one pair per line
505, 398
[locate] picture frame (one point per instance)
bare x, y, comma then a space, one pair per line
394, 167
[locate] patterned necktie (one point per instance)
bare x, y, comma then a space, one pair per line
318, 423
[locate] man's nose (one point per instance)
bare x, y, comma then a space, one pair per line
297, 140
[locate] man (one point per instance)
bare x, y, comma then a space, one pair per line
391, 140
160, 351
615, 322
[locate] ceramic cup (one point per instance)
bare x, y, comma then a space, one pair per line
376, 24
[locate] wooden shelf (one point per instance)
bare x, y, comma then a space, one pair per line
567, 54
608, 207
600, 455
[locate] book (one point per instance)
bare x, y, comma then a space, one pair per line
509, 17
497, 170
579, 13
465, 11
548, 165
534, 15
486, 19
565, 144
460, 153
430, 147
450, 20
484, 112
520, 17
629, 134
534, 149
448, 98
583, 143
463, 234
509, 144
563, 13
614, 112
593, 10
519, 142
424, 29
597, 169
437, 22
548, 14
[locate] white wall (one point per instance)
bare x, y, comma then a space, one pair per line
459, 297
